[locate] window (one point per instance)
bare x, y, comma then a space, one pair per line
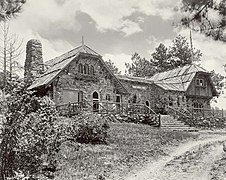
135, 98
80, 68
200, 82
92, 70
86, 69
178, 100
80, 96
197, 105
108, 97
170, 101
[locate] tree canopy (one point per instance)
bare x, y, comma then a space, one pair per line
10, 8
164, 58
205, 16
112, 67
140, 67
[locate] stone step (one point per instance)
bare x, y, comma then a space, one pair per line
169, 123
176, 127
173, 125
187, 130
175, 122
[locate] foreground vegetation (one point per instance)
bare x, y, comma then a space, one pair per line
129, 146
205, 123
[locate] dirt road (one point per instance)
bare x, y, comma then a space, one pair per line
190, 161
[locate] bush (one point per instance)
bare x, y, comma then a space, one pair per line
30, 135
207, 122
89, 128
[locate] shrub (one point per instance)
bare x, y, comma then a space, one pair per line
30, 136
207, 122
89, 128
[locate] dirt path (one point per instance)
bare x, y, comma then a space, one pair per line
190, 161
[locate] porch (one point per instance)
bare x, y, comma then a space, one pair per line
115, 111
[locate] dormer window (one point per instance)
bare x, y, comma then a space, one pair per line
200, 82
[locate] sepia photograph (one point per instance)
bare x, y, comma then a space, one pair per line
113, 90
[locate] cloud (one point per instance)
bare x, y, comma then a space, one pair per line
114, 15
130, 27
213, 52
119, 60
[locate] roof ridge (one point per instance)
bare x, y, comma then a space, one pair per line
67, 54
91, 49
62, 55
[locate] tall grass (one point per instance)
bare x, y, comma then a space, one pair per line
129, 146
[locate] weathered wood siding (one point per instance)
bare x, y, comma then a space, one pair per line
200, 91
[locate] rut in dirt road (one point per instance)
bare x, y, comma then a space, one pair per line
191, 161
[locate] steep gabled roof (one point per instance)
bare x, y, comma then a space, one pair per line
177, 79
81, 49
58, 64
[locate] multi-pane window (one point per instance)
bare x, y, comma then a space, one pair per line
197, 105
80, 68
91, 70
80, 96
86, 69
108, 97
200, 82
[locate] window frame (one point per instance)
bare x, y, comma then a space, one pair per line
200, 82
80, 68
86, 69
92, 71
108, 97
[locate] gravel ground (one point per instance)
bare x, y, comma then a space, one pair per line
196, 160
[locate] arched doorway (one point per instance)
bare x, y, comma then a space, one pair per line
95, 102
135, 99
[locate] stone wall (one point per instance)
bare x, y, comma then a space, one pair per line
156, 96
34, 61
142, 93
70, 83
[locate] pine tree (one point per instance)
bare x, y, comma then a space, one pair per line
140, 67
112, 67
205, 16
181, 53
161, 58
10, 8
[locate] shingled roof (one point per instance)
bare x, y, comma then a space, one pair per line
134, 79
57, 65
177, 79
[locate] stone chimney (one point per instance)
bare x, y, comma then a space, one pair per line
34, 65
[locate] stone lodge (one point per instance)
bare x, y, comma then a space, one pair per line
82, 75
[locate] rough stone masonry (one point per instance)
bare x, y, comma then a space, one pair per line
34, 65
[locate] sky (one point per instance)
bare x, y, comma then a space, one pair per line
115, 29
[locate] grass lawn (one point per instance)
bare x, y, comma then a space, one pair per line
129, 147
